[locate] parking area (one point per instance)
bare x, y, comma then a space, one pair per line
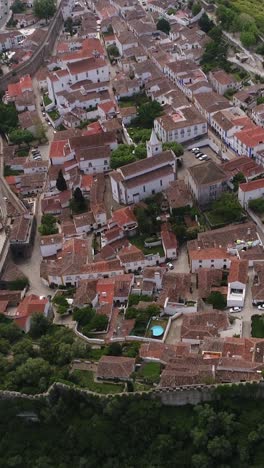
189, 159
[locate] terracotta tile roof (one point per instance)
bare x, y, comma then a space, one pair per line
209, 254
207, 278
207, 173
202, 324
81, 66
178, 194
130, 254
238, 271
85, 292
29, 305
252, 185
111, 367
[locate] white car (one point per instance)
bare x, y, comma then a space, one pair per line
235, 309
170, 266
261, 307
195, 149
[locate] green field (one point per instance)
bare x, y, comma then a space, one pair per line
86, 380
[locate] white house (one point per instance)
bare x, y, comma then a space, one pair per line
169, 244
217, 258
237, 283
141, 179
93, 160
50, 245
257, 115
180, 126
250, 191
222, 81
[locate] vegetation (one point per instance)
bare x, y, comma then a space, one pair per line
148, 224
139, 135
18, 7
88, 321
18, 284
205, 23
257, 326
61, 302
61, 182
8, 117
226, 433
68, 25
177, 148
11, 172
20, 136
215, 54
46, 100
31, 363
147, 113
196, 8
48, 225
85, 379
257, 205
238, 179
225, 210
150, 372
239, 16
141, 317
112, 51
54, 114
78, 203
163, 25
126, 154
217, 300
44, 9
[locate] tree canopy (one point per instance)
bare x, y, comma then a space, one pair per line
217, 300
61, 182
177, 148
78, 203
48, 225
147, 113
163, 25
20, 136
8, 117
44, 9
126, 154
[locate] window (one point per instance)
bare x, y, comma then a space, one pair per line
105, 162
161, 183
212, 261
200, 261
144, 188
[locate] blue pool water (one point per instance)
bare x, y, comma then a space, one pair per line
157, 330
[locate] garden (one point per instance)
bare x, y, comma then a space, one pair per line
257, 326
85, 379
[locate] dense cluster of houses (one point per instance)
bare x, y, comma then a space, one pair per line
93, 251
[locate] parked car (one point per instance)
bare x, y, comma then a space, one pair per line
37, 158
235, 309
261, 307
204, 157
195, 149
170, 266
43, 113
198, 155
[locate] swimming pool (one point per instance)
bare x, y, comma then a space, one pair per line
157, 330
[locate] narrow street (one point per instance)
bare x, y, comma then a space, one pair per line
31, 266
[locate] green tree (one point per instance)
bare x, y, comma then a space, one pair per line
44, 9
112, 51
205, 23
217, 300
114, 349
122, 155
163, 25
20, 136
48, 225
78, 203
257, 205
61, 182
34, 373
177, 148
83, 316
196, 8
68, 25
238, 179
17, 7
140, 151
98, 323
147, 113
248, 38
39, 325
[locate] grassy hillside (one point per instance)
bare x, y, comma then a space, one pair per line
255, 8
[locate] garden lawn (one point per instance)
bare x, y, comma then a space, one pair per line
257, 326
138, 241
215, 219
150, 370
86, 380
